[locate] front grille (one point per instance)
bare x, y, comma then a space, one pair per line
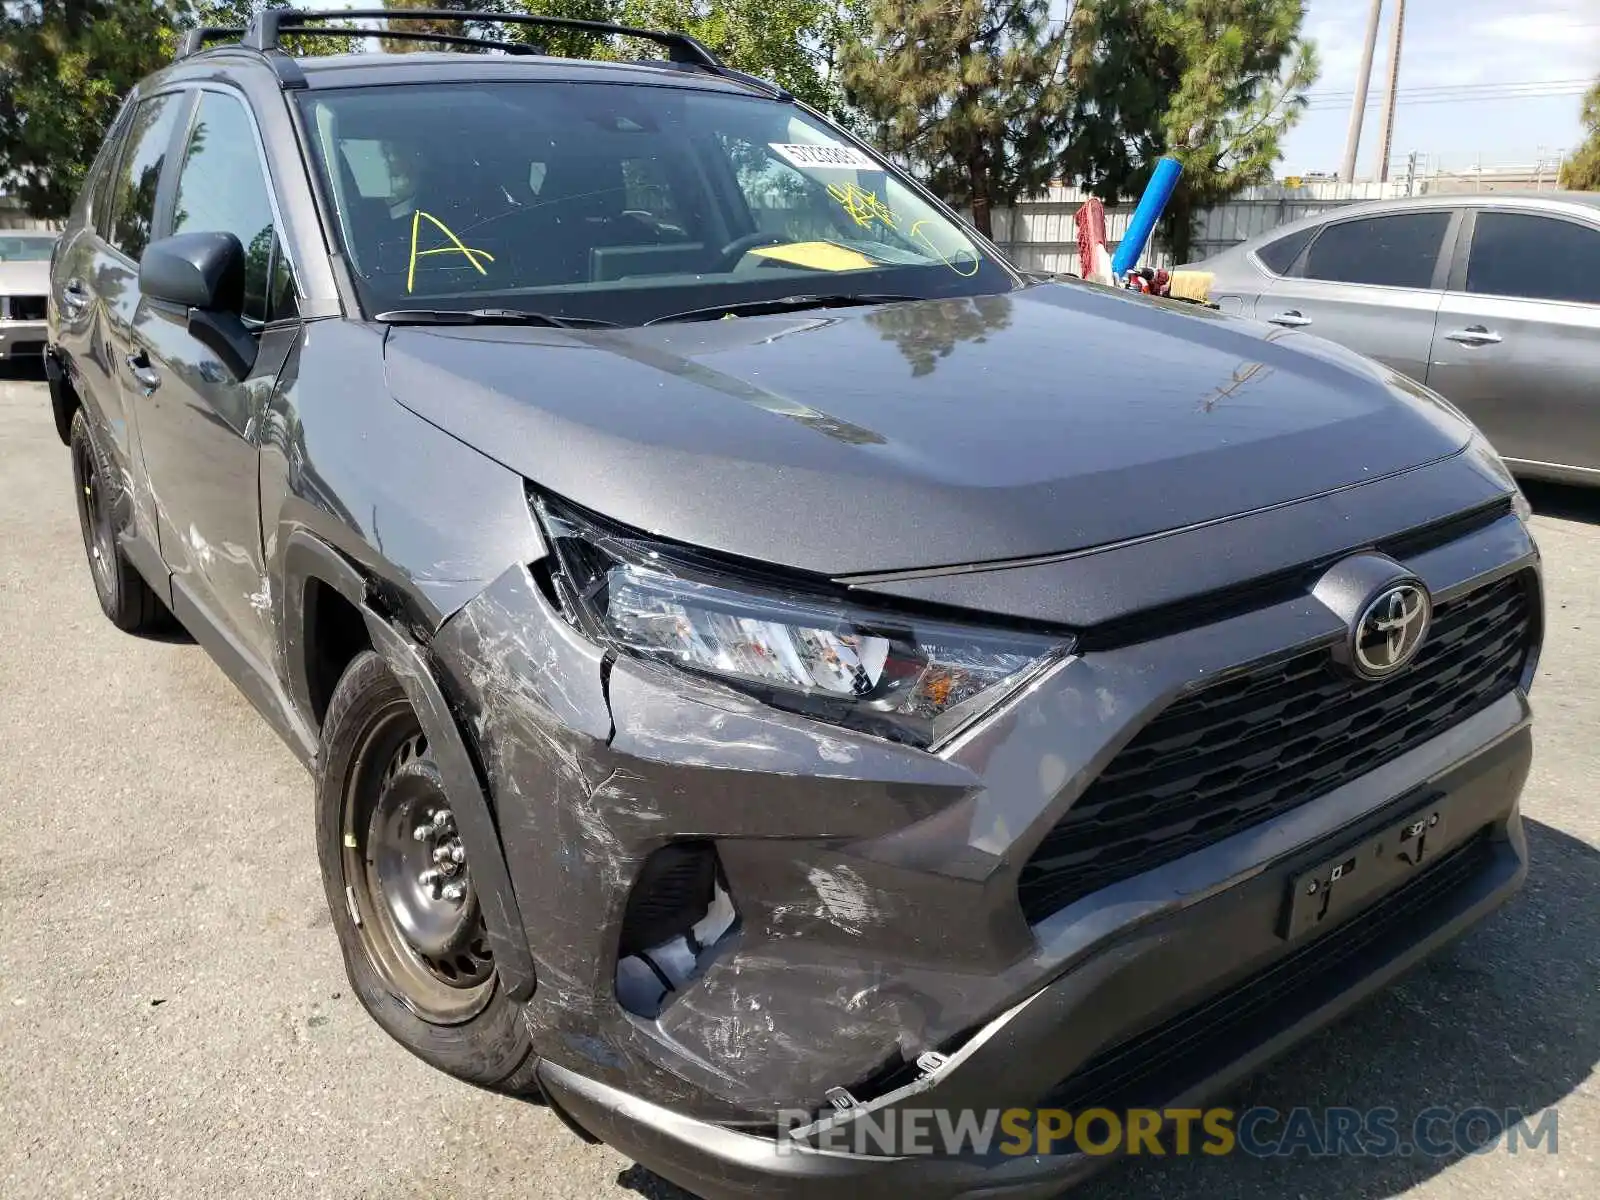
1155, 1066
1268, 739
26, 308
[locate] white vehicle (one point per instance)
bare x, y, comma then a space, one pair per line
24, 284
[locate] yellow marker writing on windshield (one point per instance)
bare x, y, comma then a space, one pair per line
863, 206
916, 233
456, 247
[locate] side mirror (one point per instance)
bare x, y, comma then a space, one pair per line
204, 273
195, 270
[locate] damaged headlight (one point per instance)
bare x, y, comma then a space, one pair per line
901, 677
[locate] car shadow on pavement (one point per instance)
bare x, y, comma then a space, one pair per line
1566, 501
1503, 1019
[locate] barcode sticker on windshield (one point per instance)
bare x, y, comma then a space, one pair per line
843, 158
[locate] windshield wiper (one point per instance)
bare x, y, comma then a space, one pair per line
756, 308
487, 316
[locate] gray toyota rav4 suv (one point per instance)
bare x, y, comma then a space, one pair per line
766, 664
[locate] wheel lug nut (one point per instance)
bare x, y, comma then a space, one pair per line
454, 891
421, 832
458, 854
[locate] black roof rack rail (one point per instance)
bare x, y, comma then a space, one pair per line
194, 40
447, 39
269, 25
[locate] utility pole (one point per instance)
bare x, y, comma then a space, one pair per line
1358, 107
1389, 96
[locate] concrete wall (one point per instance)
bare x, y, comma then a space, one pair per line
12, 217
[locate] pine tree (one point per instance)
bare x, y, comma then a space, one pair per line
1581, 172
425, 24
970, 92
1214, 83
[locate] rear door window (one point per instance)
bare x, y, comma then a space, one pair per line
133, 195
1392, 251
222, 189
1278, 256
1538, 258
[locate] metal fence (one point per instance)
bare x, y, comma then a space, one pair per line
1039, 234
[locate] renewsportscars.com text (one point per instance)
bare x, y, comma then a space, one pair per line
1259, 1132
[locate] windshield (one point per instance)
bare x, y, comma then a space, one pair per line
622, 203
25, 249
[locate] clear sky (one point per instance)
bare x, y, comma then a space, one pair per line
1453, 50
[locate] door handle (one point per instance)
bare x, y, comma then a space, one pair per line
146, 376
1290, 320
1474, 335
74, 298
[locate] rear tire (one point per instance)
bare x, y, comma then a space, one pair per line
125, 598
417, 958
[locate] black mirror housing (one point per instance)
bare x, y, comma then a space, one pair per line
204, 273
195, 270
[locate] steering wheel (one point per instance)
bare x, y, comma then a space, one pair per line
728, 257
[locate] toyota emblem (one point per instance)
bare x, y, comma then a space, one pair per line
1390, 630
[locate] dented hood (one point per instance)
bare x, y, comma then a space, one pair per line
927, 433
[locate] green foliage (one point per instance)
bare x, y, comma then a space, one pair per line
237, 13
1214, 83
64, 68
795, 43
427, 25
565, 43
970, 92
1581, 172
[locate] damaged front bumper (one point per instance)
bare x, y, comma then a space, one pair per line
874, 893
1068, 1046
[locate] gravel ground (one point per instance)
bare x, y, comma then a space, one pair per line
174, 1018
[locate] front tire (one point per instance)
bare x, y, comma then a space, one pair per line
399, 888
126, 599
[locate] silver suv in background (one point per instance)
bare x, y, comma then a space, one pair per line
1491, 299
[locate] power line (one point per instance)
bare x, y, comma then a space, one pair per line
1462, 99
1502, 92
1455, 87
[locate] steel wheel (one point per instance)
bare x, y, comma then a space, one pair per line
409, 882
94, 513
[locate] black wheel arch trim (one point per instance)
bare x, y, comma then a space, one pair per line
62, 400
307, 558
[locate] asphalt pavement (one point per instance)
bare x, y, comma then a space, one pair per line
174, 1018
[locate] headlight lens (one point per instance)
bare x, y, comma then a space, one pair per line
906, 678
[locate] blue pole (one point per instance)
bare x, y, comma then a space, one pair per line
1151, 205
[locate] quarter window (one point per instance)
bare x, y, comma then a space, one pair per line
222, 190
103, 184
1279, 256
133, 206
1540, 258
1394, 251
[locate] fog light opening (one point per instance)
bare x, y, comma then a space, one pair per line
678, 912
